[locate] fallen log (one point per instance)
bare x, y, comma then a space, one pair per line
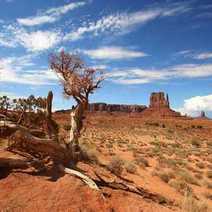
39, 148
12, 163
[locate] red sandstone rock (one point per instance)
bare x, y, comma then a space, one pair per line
116, 108
159, 106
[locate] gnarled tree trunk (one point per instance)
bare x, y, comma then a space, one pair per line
76, 127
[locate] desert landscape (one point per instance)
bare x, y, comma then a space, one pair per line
105, 106
166, 156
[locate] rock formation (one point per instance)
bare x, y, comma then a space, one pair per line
202, 115
95, 107
159, 106
158, 100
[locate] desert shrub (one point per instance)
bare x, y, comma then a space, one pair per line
163, 126
190, 204
171, 131
195, 142
89, 154
209, 174
116, 165
165, 176
131, 167
180, 186
141, 161
200, 165
187, 177
170, 163
199, 126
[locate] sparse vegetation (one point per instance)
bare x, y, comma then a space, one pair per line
89, 154
131, 167
187, 177
190, 204
195, 142
141, 161
116, 165
180, 186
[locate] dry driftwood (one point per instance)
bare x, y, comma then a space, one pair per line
133, 189
23, 141
87, 180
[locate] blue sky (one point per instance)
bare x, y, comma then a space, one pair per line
143, 45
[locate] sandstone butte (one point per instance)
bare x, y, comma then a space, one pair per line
159, 106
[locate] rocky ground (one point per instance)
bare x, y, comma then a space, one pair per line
169, 157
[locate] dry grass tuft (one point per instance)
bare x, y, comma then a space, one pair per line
116, 165
189, 204
131, 167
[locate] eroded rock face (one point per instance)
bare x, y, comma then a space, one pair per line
158, 100
94, 107
159, 106
202, 114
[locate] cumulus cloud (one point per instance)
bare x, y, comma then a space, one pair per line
141, 76
113, 52
125, 22
194, 105
49, 16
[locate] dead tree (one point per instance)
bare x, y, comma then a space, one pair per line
49, 104
52, 128
78, 82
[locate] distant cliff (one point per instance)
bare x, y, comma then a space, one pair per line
159, 107
95, 107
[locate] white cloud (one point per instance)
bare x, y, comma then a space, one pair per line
6, 42
203, 56
20, 70
50, 15
194, 105
13, 36
100, 67
113, 52
39, 40
125, 22
141, 76
36, 20
194, 55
